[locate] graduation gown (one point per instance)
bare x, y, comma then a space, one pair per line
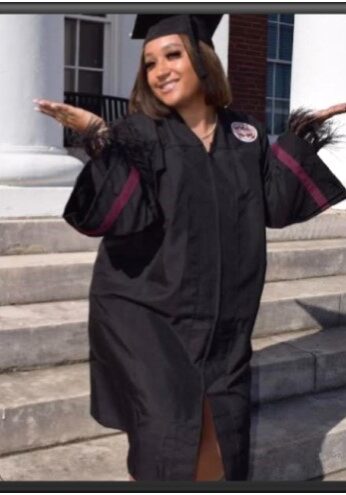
178, 278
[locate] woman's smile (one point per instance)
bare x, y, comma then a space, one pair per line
168, 86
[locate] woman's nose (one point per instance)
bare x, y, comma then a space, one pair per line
162, 70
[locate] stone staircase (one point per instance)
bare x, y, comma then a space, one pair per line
299, 361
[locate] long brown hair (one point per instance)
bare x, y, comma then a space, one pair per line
216, 85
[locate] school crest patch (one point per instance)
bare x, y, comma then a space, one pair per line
244, 132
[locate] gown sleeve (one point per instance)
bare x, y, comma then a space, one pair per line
298, 185
114, 193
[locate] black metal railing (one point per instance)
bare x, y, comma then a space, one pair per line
110, 108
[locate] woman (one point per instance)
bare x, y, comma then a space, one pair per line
181, 191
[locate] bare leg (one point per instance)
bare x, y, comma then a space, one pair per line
209, 463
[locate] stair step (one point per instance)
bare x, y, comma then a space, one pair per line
299, 438
56, 276
282, 359
59, 276
42, 235
42, 334
302, 304
298, 363
334, 476
101, 459
328, 225
46, 235
45, 407
49, 406
291, 440
304, 259
45, 277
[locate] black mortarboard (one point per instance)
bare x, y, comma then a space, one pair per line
196, 26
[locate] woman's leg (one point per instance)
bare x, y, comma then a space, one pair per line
209, 462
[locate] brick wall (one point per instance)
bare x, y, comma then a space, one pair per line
247, 63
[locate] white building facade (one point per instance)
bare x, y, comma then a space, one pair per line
44, 55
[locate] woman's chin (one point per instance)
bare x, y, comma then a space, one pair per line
170, 102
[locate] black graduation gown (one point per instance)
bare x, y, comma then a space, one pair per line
178, 279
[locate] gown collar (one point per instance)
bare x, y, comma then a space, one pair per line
179, 133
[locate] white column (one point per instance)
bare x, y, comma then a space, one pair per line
319, 75
36, 173
127, 54
221, 41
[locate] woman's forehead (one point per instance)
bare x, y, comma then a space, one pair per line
161, 43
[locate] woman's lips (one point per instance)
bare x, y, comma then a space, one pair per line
167, 87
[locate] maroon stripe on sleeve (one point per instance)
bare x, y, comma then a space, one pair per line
300, 173
118, 205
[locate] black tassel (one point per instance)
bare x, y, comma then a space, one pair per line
304, 124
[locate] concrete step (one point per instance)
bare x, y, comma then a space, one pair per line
298, 363
53, 333
45, 277
329, 225
302, 304
50, 406
334, 476
47, 235
291, 440
100, 459
39, 335
41, 235
300, 438
59, 276
45, 407
304, 259
42, 334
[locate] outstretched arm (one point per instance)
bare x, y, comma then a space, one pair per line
74, 118
112, 194
297, 183
92, 128
314, 119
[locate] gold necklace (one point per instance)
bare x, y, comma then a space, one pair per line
210, 132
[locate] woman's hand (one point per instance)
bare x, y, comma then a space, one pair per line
328, 113
75, 118
320, 116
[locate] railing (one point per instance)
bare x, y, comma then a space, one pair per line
110, 108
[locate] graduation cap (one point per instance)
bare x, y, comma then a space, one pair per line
195, 26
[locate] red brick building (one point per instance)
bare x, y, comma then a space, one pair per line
259, 66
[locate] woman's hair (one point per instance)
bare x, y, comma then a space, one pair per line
216, 85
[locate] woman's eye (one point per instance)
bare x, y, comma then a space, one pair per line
174, 54
148, 65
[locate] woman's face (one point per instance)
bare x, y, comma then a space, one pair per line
170, 74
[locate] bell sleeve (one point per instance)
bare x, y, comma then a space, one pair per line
114, 193
298, 185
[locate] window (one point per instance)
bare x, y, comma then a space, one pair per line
279, 59
84, 53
